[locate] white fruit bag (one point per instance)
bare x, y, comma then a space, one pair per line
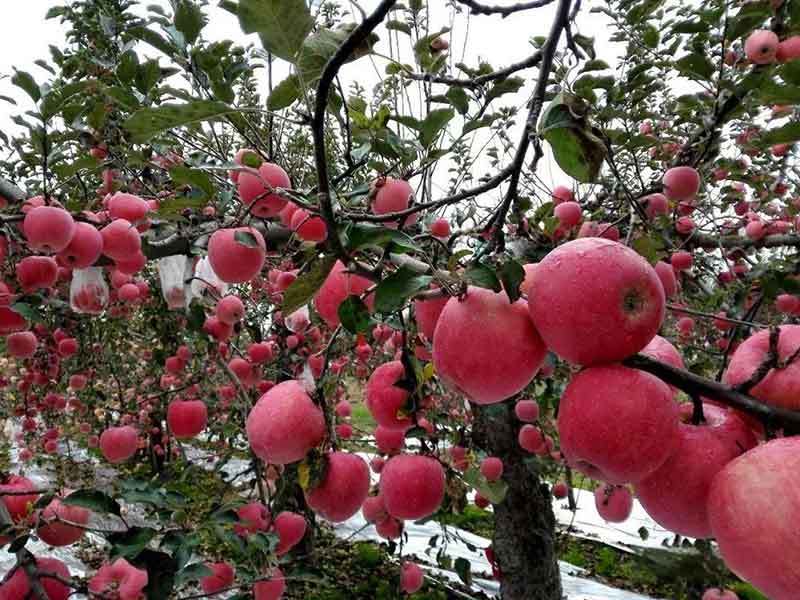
173, 271
88, 291
206, 282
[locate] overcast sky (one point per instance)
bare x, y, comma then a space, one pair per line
25, 37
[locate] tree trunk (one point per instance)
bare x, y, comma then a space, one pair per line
524, 531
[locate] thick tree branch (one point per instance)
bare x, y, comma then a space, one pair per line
486, 9
353, 41
537, 103
11, 192
701, 386
702, 240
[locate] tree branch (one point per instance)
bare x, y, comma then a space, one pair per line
485, 9
353, 41
531, 61
696, 385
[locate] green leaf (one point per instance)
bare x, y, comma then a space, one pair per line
594, 65
282, 25
67, 170
55, 11
483, 276
690, 27
649, 247
93, 500
303, 289
494, 491
358, 237
398, 26
145, 123
473, 124
771, 92
23, 80
175, 205
790, 132
463, 569
433, 125
510, 85
284, 94
696, 64
161, 569
392, 293
354, 315
246, 238
459, 99
192, 572
651, 36
189, 20
147, 75
320, 46
199, 180
28, 312
151, 37
130, 543
512, 274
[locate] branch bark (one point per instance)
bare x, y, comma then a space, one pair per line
486, 9
353, 41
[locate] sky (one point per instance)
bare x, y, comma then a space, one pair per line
25, 37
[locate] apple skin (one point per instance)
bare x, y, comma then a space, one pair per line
617, 424
384, 399
343, 490
285, 424
613, 502
486, 347
56, 533
337, 287
18, 587
752, 503
596, 301
780, 387
426, 313
676, 494
412, 486
662, 350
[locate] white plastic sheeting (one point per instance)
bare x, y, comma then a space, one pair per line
455, 543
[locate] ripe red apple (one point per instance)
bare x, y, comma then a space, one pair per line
187, 418
236, 260
255, 187
21, 344
290, 527
118, 444
527, 411
718, 594
337, 287
666, 275
681, 183
18, 587
749, 505
285, 424
127, 206
595, 301
393, 195
440, 228
388, 440
492, 468
57, 533
427, 312
344, 488
121, 240
412, 486
761, 47
617, 424
568, 214
37, 273
48, 229
374, 509
18, 505
486, 347
222, 576
121, 578
781, 387
230, 309
308, 227
253, 517
676, 494
384, 399
788, 49
613, 502
411, 577
11, 321
271, 588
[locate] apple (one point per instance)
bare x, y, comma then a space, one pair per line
412, 486
749, 505
595, 301
385, 399
613, 502
617, 424
343, 489
676, 494
486, 347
